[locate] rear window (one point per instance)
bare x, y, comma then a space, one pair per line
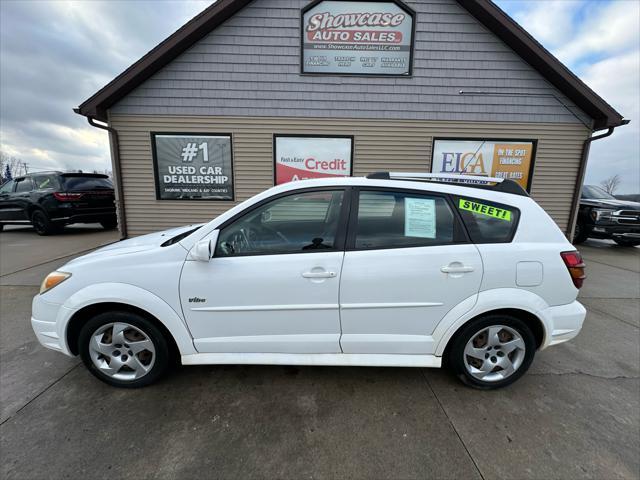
78, 182
488, 222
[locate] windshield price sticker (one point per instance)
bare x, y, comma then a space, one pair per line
483, 209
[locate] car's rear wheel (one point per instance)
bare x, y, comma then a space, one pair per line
626, 243
124, 349
492, 352
42, 224
109, 224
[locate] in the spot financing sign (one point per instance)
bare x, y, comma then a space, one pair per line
193, 166
304, 157
357, 38
512, 159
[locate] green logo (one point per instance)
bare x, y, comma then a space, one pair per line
483, 209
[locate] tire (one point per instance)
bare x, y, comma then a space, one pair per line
580, 234
1, 227
626, 243
109, 224
42, 224
138, 364
490, 361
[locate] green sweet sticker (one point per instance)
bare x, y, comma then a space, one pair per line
483, 209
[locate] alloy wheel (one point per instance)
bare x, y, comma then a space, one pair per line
122, 351
494, 353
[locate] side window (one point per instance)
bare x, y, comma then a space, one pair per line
296, 223
24, 185
45, 181
7, 187
488, 222
390, 219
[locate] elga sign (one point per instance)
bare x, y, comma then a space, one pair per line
193, 166
357, 38
301, 158
489, 158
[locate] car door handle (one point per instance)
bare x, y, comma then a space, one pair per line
456, 269
319, 274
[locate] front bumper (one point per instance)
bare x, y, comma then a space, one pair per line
563, 322
45, 326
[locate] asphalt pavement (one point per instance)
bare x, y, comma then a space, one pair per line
576, 414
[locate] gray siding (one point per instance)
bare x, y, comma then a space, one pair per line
250, 66
379, 145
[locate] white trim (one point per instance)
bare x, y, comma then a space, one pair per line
350, 306
266, 308
329, 359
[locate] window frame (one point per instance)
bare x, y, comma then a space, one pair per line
459, 228
341, 231
456, 198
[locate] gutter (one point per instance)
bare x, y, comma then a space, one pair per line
117, 172
581, 174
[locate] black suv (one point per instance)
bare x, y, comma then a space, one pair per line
53, 199
602, 215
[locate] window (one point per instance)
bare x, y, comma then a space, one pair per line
82, 183
7, 187
24, 185
488, 222
389, 219
45, 181
296, 223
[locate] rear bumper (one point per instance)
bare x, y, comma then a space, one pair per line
564, 322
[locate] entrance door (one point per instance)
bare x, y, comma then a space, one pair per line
407, 264
272, 286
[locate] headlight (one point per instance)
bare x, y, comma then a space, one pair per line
600, 214
53, 279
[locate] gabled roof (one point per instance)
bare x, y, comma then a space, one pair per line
485, 11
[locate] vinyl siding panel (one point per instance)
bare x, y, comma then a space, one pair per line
378, 145
250, 66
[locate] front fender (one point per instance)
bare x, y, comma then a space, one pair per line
129, 295
489, 300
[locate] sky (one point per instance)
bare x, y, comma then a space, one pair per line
55, 54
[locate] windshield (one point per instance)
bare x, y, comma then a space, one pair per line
591, 191
79, 182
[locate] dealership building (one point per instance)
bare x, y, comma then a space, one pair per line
249, 94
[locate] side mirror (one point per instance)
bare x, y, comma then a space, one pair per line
202, 251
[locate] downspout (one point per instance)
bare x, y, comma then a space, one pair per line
115, 155
581, 174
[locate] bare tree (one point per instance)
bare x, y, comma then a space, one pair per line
16, 165
611, 184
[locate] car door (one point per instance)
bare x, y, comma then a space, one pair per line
272, 285
6, 206
408, 262
17, 202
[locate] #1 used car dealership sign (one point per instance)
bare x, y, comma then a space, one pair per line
357, 38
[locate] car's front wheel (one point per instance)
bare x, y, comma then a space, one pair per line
492, 351
43, 224
580, 234
124, 349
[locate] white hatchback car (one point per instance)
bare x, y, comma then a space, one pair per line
402, 270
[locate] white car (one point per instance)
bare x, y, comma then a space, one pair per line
395, 269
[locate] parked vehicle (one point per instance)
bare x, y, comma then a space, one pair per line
602, 215
51, 200
390, 270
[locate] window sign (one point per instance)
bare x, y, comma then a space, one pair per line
510, 159
357, 38
304, 157
420, 217
193, 166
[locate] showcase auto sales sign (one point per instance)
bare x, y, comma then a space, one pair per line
357, 38
302, 158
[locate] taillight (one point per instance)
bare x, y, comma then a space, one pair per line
67, 197
575, 264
